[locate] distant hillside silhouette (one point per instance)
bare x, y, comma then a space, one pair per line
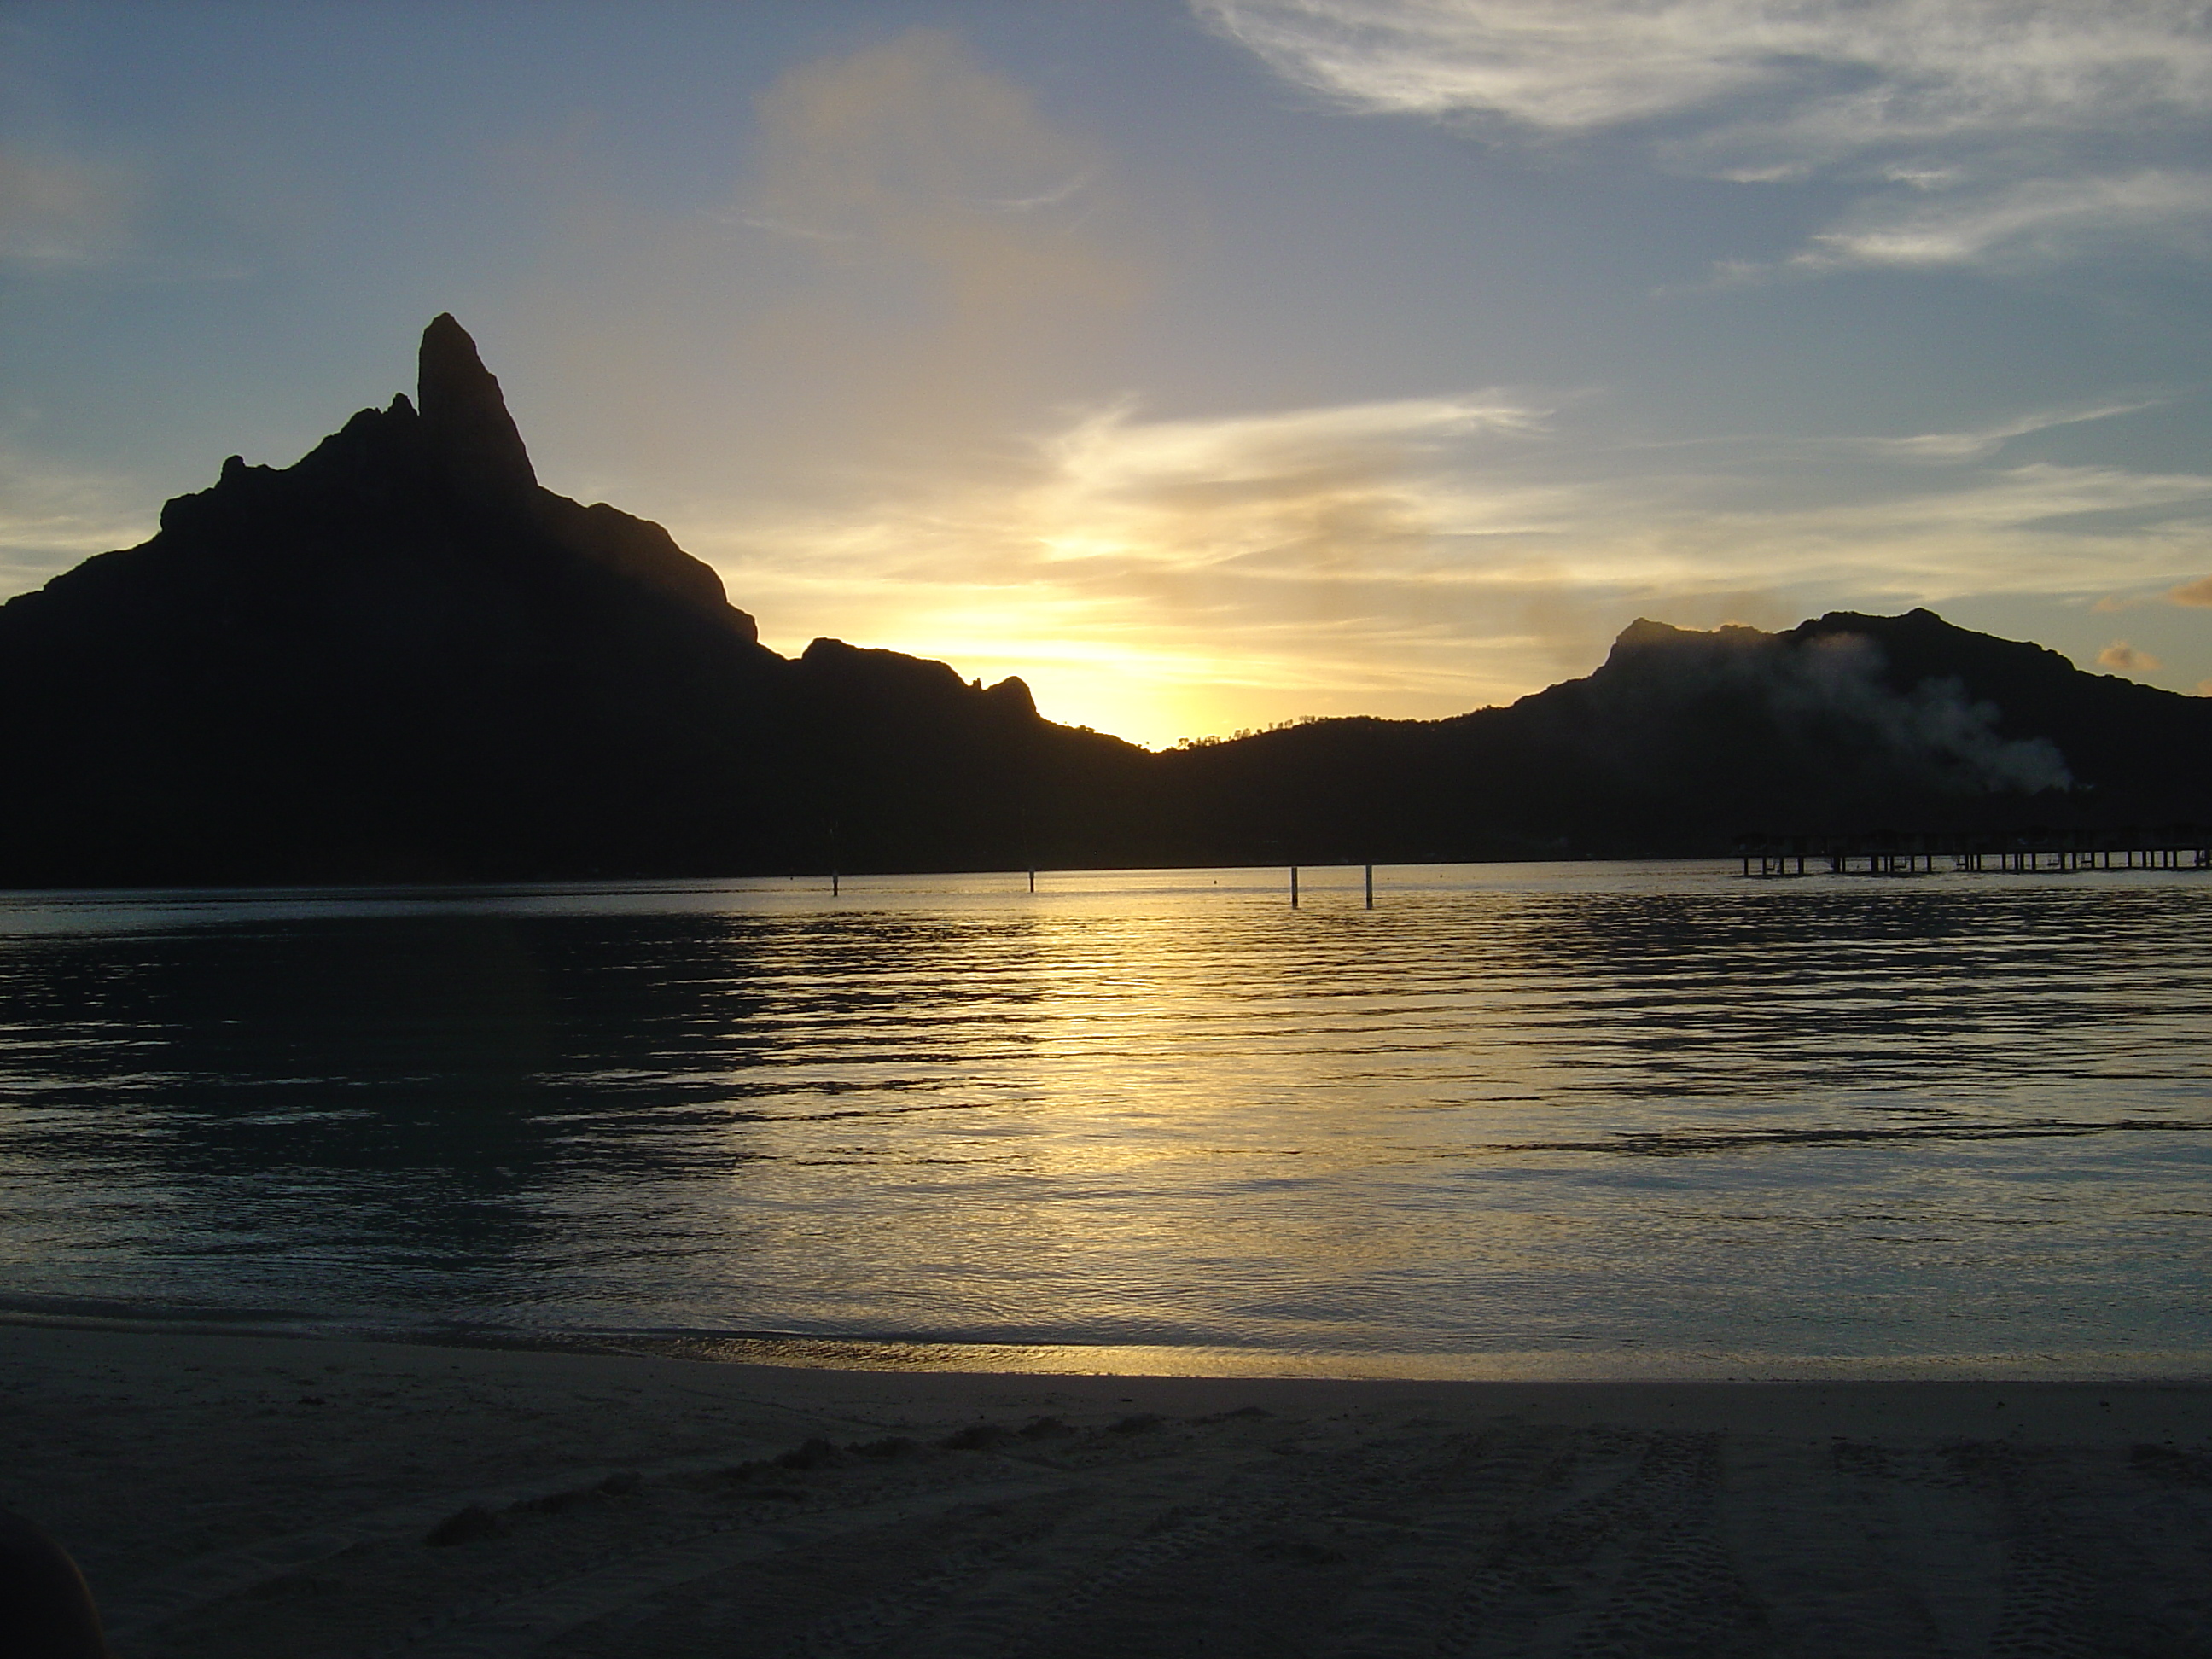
1682, 740
403, 659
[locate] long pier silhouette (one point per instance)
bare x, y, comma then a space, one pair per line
2032, 851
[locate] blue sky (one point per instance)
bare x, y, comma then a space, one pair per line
1207, 365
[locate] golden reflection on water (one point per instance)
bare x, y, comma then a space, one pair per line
1513, 1120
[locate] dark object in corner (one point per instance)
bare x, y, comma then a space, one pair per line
46, 1611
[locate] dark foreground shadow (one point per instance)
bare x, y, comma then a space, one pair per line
45, 1610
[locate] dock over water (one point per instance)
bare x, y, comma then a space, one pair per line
2022, 851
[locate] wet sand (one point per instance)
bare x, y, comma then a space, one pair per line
245, 1496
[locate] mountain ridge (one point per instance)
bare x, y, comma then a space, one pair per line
404, 658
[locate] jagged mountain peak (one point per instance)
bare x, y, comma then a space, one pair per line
464, 417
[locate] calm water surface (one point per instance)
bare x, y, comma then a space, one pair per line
1527, 1120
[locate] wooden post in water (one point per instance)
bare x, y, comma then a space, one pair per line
1370, 887
1033, 881
1294, 887
833, 884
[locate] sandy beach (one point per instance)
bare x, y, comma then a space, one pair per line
246, 1495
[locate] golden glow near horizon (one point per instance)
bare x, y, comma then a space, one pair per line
1208, 368
1172, 579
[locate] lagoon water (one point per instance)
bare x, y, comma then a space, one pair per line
1538, 1120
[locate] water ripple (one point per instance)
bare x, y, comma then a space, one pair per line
1636, 1108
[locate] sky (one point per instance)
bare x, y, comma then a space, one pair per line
1208, 365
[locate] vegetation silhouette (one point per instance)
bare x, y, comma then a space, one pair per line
403, 659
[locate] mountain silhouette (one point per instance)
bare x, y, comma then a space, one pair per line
1681, 741
404, 659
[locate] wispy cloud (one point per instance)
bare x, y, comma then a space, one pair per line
1112, 462
2199, 593
1974, 130
60, 211
1983, 441
912, 152
1838, 78
1067, 191
2034, 221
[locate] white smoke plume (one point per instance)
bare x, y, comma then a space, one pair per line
1836, 685
1933, 726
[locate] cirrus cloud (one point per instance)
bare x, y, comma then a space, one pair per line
1838, 79
1972, 131
2035, 219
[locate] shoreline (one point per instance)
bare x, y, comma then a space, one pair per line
896, 1356
255, 1494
